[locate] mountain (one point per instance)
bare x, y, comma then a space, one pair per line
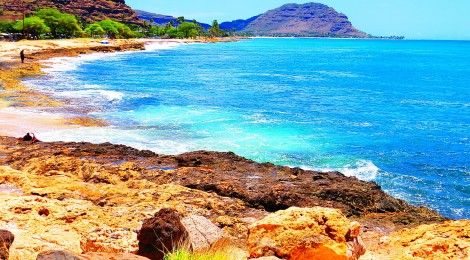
161, 19
86, 10
311, 19
237, 25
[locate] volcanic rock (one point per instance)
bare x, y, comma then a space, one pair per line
6, 239
306, 233
161, 234
260, 187
97, 195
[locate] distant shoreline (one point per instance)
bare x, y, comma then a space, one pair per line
19, 104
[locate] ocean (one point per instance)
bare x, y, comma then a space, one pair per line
393, 112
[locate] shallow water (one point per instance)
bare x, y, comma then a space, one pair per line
395, 112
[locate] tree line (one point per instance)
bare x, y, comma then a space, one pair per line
50, 23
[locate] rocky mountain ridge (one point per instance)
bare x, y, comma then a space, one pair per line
86, 10
297, 20
162, 20
311, 19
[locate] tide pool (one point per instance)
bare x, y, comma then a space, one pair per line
393, 112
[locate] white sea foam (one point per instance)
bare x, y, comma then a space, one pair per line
108, 95
132, 138
62, 64
362, 169
161, 45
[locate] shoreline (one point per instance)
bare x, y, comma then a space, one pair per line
14, 93
17, 98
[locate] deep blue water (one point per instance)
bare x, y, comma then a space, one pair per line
395, 112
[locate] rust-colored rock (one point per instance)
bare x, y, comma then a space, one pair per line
98, 194
261, 186
161, 234
449, 240
6, 239
306, 233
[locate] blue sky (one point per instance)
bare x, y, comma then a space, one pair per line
415, 19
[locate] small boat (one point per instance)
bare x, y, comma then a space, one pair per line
104, 42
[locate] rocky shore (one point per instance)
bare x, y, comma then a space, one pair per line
96, 198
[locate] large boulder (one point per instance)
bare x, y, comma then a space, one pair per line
161, 234
306, 233
202, 232
6, 239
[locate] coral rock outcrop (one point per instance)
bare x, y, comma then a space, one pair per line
306, 233
448, 240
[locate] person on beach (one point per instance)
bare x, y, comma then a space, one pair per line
29, 137
22, 56
34, 139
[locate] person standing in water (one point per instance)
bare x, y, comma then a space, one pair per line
22, 56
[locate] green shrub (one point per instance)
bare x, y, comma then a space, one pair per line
62, 25
94, 30
116, 29
34, 27
7, 27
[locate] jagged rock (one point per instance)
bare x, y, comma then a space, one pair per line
161, 234
96, 206
306, 233
202, 232
6, 239
449, 240
78, 221
57, 255
261, 186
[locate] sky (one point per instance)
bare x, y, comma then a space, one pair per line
414, 19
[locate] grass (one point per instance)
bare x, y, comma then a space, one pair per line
222, 250
183, 254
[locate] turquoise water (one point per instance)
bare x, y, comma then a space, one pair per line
393, 112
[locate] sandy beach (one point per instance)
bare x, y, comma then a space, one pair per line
19, 105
